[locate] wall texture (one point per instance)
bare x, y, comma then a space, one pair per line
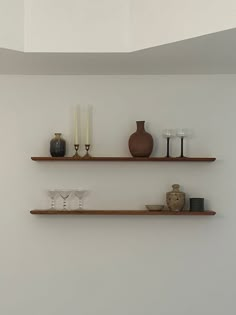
108, 25
120, 25
117, 265
165, 21
77, 26
12, 24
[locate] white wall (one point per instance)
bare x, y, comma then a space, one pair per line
159, 22
117, 265
108, 25
120, 25
12, 24
76, 26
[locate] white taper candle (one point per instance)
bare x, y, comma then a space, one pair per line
76, 131
87, 131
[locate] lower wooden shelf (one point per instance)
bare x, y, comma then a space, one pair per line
123, 159
119, 212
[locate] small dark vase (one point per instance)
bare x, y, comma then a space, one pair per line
57, 146
140, 142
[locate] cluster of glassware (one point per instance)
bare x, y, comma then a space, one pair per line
171, 133
65, 195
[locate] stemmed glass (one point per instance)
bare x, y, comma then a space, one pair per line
80, 195
181, 133
52, 195
65, 194
168, 133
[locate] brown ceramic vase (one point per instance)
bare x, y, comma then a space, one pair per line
140, 142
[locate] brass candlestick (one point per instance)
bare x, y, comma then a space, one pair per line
76, 155
87, 155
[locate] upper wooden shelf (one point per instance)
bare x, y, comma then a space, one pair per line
125, 159
121, 212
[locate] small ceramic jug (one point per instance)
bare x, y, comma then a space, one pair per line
175, 199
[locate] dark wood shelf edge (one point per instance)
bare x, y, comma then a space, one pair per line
125, 159
120, 212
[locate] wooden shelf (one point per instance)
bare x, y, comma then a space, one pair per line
125, 159
119, 212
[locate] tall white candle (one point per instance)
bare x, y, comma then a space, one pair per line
87, 128
76, 130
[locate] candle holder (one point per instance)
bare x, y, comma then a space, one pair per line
182, 147
76, 155
167, 147
181, 133
87, 155
168, 133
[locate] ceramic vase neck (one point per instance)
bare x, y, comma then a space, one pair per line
176, 187
57, 135
140, 126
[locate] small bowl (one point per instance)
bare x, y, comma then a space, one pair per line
155, 207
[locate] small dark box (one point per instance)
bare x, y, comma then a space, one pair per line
196, 204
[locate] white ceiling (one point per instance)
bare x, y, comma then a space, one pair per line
208, 54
